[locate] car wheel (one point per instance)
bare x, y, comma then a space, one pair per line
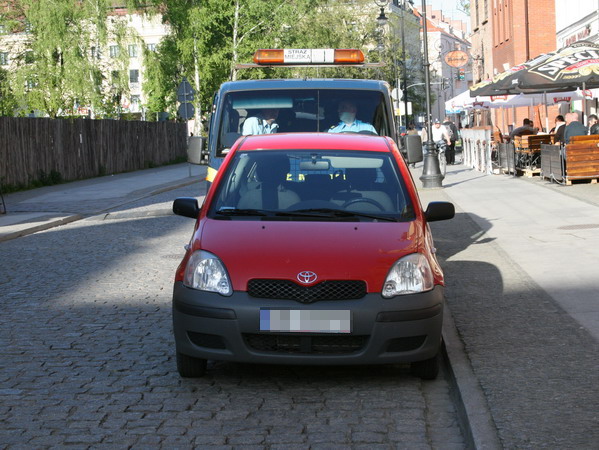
427, 369
189, 367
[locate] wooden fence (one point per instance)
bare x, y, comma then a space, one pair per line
83, 148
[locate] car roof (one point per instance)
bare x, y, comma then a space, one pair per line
305, 83
315, 141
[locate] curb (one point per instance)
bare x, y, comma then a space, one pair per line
476, 421
75, 217
42, 227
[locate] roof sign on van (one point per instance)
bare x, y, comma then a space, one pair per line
308, 56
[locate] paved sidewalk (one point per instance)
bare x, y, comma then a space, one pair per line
47, 207
520, 260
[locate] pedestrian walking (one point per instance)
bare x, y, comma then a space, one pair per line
453, 137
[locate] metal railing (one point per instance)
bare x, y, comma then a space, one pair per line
478, 148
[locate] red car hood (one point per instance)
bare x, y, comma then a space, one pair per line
332, 250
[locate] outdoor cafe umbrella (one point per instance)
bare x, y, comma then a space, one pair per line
572, 67
507, 82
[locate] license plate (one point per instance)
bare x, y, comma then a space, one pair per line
305, 321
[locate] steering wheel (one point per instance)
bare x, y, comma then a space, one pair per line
363, 200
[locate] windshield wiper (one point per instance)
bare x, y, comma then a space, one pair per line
243, 212
330, 212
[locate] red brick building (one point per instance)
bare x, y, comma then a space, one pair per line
506, 33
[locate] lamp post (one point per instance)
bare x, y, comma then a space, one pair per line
403, 59
382, 21
431, 174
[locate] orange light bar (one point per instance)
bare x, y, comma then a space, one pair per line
269, 56
308, 56
349, 56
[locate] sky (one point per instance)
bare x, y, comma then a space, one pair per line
449, 8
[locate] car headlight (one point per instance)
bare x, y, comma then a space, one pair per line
205, 272
409, 275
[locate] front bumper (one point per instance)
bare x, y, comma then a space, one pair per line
384, 331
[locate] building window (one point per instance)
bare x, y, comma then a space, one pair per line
114, 51
151, 47
132, 51
115, 77
3, 58
134, 76
135, 100
96, 52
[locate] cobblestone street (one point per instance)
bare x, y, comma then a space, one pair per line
88, 358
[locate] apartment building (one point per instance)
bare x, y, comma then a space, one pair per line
506, 33
135, 32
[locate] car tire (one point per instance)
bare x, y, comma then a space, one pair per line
189, 367
427, 369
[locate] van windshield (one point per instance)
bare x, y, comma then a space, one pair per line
300, 110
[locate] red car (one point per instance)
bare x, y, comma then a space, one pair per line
310, 249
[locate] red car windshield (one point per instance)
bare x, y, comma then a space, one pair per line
312, 185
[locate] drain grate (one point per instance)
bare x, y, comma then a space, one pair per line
587, 226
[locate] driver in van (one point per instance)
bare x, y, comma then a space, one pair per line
347, 119
261, 123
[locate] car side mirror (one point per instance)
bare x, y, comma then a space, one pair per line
413, 148
439, 211
186, 207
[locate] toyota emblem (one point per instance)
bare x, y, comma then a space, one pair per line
306, 277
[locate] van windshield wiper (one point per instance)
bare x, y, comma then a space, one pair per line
331, 212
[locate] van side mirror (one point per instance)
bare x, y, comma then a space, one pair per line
186, 207
197, 150
439, 211
413, 148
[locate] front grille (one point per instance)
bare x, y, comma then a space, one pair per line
316, 345
288, 290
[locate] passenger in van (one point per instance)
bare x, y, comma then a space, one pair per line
262, 123
347, 120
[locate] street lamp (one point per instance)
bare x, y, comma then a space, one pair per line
431, 174
382, 21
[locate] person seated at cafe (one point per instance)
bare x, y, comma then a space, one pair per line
593, 124
559, 128
524, 130
573, 127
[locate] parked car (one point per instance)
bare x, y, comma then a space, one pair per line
310, 248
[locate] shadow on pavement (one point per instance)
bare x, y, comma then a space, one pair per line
535, 364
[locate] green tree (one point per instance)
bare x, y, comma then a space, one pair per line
210, 37
464, 6
58, 55
8, 103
